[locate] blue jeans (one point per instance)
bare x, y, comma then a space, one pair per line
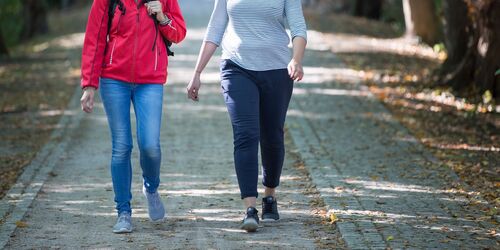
257, 102
147, 100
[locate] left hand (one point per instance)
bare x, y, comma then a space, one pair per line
155, 8
295, 70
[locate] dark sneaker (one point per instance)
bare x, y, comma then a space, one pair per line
251, 220
123, 224
270, 209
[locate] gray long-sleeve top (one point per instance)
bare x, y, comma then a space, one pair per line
252, 32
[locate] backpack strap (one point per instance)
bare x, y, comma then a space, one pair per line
111, 11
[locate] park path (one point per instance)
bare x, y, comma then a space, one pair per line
71, 188
346, 154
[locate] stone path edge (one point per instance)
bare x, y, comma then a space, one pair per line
19, 198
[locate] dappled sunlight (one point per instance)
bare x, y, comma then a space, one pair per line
429, 99
69, 188
202, 192
195, 34
309, 115
184, 107
76, 202
71, 41
391, 186
331, 92
347, 43
464, 146
208, 88
325, 75
182, 75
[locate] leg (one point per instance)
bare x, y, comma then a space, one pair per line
116, 96
148, 102
242, 101
276, 91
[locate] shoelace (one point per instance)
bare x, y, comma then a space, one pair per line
268, 206
155, 199
123, 217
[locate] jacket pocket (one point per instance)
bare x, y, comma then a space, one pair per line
112, 52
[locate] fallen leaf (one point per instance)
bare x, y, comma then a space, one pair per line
21, 224
390, 237
333, 218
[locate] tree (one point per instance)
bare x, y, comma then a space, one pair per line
368, 8
35, 18
421, 20
328, 6
472, 29
3, 46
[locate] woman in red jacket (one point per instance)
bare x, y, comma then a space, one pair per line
125, 54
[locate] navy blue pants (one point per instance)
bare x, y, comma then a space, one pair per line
257, 102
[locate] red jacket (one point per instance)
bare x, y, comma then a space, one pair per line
130, 54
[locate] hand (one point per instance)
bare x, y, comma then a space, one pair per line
193, 87
155, 8
295, 70
87, 100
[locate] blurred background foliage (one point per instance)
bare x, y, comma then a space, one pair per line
10, 21
468, 31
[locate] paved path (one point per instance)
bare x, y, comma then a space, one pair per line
387, 190
384, 187
74, 208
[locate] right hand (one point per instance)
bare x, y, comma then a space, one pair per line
193, 87
87, 100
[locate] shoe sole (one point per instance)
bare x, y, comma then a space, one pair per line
158, 221
122, 231
269, 220
250, 225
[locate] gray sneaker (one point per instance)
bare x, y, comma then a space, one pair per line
155, 206
123, 224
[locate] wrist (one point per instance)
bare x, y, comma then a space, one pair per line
163, 19
90, 88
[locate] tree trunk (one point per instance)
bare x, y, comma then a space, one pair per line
3, 46
458, 68
368, 8
488, 46
473, 42
421, 20
456, 31
35, 18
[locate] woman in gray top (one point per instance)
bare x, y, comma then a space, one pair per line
257, 74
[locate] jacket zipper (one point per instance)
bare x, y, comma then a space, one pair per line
156, 56
112, 51
135, 45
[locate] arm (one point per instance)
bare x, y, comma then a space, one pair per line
215, 32
298, 28
206, 52
295, 69
94, 44
176, 30
93, 52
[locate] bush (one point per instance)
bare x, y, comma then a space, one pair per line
11, 22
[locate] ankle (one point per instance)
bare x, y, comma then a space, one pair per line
250, 202
270, 192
